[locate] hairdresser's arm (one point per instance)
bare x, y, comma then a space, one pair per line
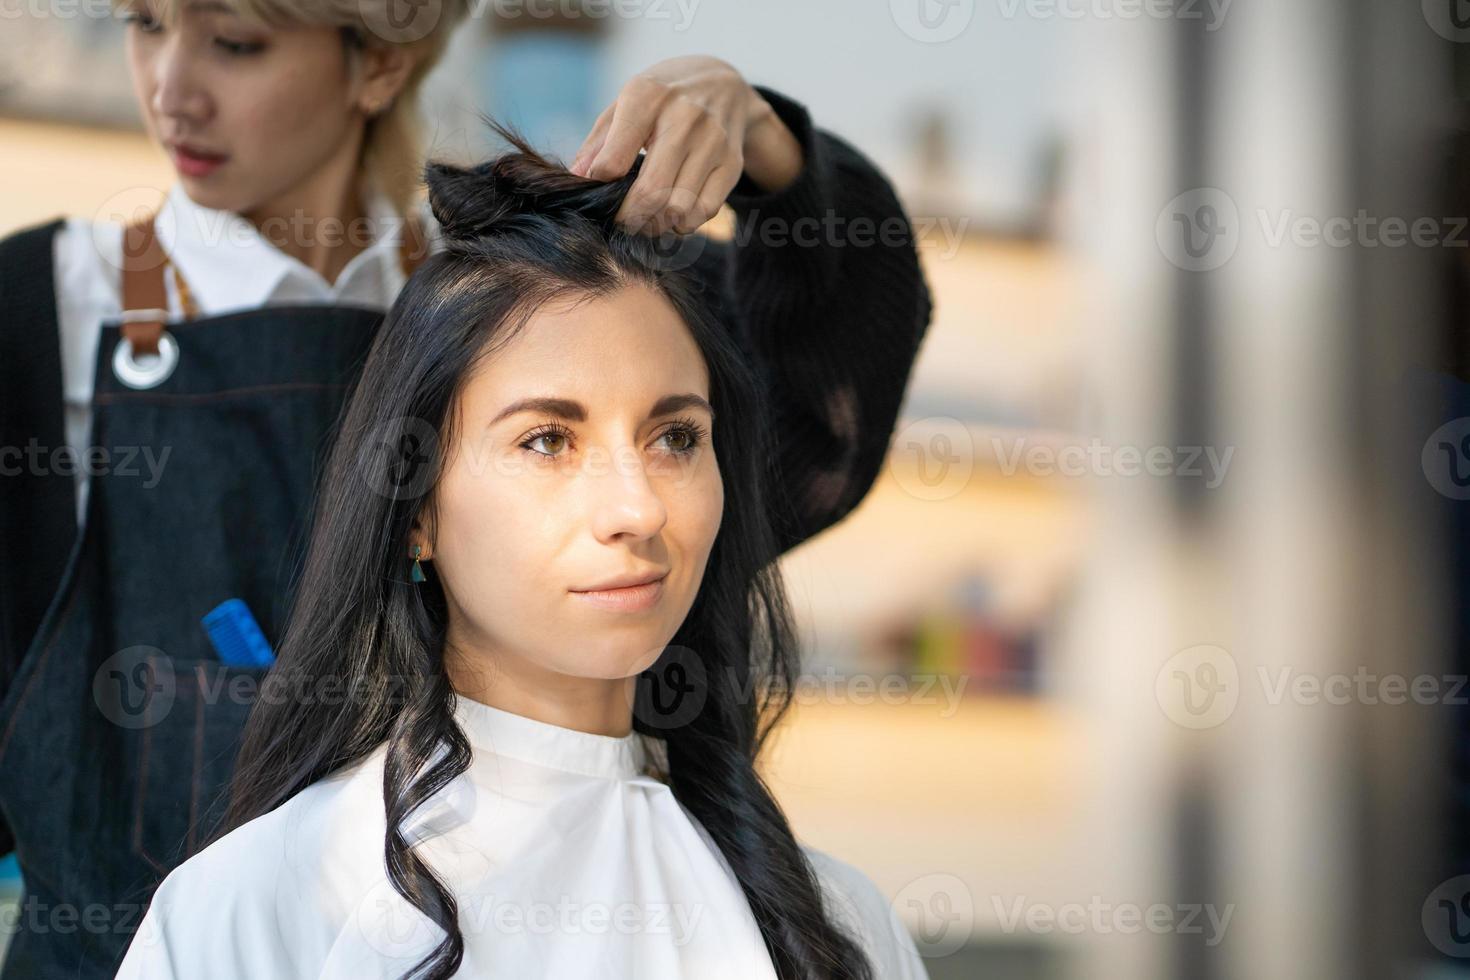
825, 283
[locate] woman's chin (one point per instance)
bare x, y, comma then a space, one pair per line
616, 661
209, 193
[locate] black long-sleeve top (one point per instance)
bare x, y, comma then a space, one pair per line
825, 287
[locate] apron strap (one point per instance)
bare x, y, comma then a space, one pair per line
145, 297
37, 507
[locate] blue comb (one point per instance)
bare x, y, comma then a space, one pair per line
236, 635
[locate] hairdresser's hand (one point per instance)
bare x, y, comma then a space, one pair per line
702, 125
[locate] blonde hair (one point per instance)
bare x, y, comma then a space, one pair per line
393, 145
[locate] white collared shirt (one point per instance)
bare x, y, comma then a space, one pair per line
566, 857
227, 265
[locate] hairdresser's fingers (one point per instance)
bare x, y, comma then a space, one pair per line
634, 112
649, 194
593, 143
678, 134
682, 211
681, 204
709, 200
710, 144
706, 179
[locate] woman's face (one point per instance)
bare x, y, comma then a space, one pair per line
246, 113
616, 477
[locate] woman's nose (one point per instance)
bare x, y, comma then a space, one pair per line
624, 502
177, 90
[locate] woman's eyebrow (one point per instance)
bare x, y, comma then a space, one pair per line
575, 411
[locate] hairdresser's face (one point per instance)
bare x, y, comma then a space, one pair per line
246, 113
540, 505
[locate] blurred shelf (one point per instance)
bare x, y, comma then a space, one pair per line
984, 788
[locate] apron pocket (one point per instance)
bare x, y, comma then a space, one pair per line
186, 756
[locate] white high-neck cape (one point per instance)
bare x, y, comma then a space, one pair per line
567, 859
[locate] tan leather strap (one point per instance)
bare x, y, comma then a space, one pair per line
145, 297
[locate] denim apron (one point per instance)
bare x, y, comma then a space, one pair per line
119, 730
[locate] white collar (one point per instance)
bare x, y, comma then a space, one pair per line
228, 265
541, 743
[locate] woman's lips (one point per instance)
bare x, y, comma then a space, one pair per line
635, 598
195, 163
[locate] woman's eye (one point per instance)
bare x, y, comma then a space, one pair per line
686, 438
680, 440
683, 440
142, 21
239, 47
554, 443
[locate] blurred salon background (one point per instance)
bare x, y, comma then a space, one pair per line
1145, 656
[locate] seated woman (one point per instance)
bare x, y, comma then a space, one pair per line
538, 644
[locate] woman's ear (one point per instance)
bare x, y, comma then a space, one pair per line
421, 535
382, 73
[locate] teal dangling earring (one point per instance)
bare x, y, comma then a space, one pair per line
418, 570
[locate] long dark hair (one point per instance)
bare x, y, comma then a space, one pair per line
520, 230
